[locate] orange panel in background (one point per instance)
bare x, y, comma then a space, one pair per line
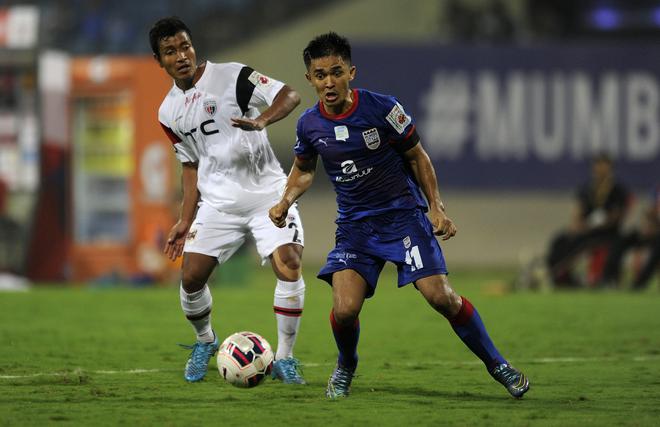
122, 152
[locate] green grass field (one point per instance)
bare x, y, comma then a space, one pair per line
84, 356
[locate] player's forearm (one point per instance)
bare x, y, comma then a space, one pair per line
428, 181
425, 175
284, 103
190, 194
297, 183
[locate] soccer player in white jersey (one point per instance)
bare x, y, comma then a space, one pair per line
230, 178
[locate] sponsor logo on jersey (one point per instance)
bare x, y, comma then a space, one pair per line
207, 128
341, 133
371, 138
190, 99
406, 242
210, 107
259, 79
351, 172
343, 257
360, 174
348, 167
398, 118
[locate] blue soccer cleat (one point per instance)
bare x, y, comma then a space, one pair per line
198, 363
339, 384
515, 381
288, 370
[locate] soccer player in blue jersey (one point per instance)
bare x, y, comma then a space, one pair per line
371, 151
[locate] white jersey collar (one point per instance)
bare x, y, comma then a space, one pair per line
202, 78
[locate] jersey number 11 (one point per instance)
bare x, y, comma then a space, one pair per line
413, 258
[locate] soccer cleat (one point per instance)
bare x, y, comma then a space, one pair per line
515, 381
288, 370
339, 384
198, 363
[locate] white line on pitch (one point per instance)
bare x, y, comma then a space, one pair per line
82, 372
541, 360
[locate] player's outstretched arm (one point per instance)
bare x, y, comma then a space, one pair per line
300, 179
422, 167
285, 102
177, 236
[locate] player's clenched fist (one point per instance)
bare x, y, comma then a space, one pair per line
447, 229
278, 213
442, 225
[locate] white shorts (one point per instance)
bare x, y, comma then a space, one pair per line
220, 234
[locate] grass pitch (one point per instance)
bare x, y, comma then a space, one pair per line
84, 356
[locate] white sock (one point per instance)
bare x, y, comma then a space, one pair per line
197, 308
288, 306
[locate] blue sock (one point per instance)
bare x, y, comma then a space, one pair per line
347, 338
468, 326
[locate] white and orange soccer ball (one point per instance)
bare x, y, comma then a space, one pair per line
245, 359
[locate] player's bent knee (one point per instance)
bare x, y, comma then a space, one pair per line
293, 263
192, 282
346, 311
443, 299
287, 262
290, 256
440, 300
345, 316
196, 271
448, 304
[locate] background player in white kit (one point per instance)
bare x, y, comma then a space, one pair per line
230, 179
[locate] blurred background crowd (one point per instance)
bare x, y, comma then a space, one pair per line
513, 98
118, 27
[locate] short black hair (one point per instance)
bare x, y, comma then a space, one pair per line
328, 44
166, 27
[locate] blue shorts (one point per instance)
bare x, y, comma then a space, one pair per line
404, 237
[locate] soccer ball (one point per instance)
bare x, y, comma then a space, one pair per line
245, 359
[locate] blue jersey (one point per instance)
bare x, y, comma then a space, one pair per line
362, 151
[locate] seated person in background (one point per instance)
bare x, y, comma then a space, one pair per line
602, 205
647, 236
10, 236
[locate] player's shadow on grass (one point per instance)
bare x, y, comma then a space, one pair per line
417, 392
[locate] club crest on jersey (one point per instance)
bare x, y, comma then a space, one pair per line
210, 107
371, 138
406, 242
398, 118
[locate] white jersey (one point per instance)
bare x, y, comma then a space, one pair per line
237, 169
